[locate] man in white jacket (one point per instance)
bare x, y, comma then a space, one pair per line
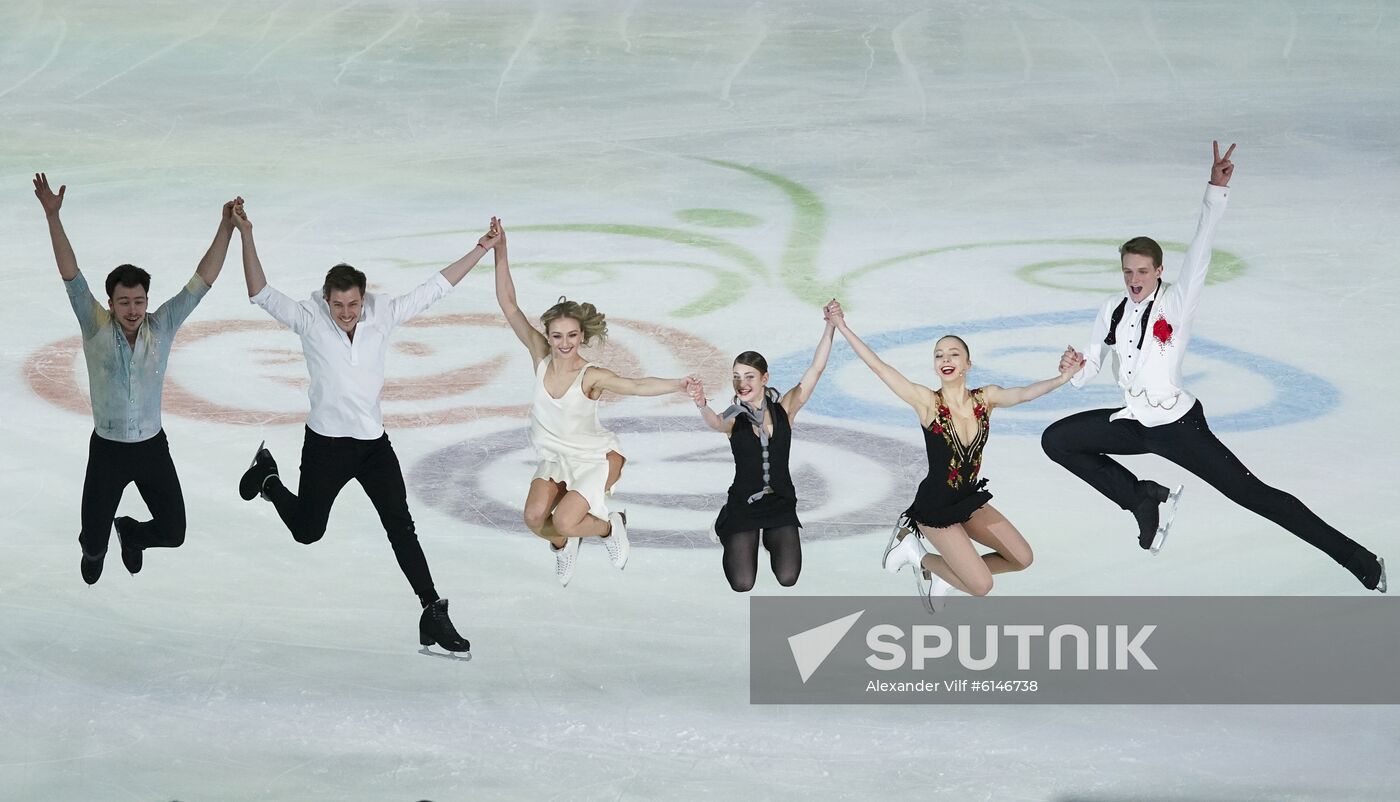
1147, 329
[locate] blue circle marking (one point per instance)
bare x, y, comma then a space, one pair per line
1297, 395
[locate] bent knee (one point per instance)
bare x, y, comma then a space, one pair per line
980, 586
1022, 559
309, 535
741, 584
786, 580
535, 518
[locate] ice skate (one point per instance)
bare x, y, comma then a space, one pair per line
933, 590
262, 468
1154, 514
435, 628
131, 555
91, 568
901, 527
902, 551
1164, 525
618, 545
565, 559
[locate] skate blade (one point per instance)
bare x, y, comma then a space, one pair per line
1380, 586
461, 657
924, 584
256, 453
1168, 513
893, 542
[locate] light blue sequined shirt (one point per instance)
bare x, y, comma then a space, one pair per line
125, 383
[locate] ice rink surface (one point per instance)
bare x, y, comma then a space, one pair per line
709, 174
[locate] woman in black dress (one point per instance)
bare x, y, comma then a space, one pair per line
950, 511
762, 503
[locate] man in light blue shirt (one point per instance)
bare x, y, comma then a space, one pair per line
127, 349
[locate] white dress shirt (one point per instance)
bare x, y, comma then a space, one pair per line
347, 375
1151, 376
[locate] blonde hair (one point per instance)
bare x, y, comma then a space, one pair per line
593, 322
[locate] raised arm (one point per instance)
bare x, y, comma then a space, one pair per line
1070, 363
505, 296
62, 248
459, 269
252, 266
795, 398
912, 394
711, 418
213, 260
283, 309
403, 308
599, 379
1192, 279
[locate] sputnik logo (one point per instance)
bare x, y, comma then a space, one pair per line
811, 648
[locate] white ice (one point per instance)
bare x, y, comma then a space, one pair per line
708, 174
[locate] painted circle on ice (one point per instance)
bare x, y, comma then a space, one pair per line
676, 479
1289, 394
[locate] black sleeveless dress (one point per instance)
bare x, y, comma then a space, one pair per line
775, 509
951, 492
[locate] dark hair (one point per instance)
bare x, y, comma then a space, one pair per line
1142, 246
343, 277
961, 341
753, 359
128, 276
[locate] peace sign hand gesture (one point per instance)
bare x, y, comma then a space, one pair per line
1223, 168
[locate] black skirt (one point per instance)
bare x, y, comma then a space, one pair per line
930, 512
768, 512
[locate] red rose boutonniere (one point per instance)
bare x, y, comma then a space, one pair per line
1162, 331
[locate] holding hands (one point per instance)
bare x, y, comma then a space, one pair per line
833, 314
236, 217
696, 389
1070, 362
495, 235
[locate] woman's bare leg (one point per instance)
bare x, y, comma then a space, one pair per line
990, 528
543, 497
957, 561
572, 519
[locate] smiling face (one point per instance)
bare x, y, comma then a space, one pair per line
750, 383
565, 337
346, 306
1140, 276
128, 307
950, 360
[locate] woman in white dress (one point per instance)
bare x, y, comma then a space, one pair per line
580, 461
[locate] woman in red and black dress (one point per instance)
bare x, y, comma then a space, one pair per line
950, 512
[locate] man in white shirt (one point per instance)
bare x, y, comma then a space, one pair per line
1147, 330
345, 338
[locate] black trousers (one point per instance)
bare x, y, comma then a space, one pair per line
1082, 441
327, 465
111, 467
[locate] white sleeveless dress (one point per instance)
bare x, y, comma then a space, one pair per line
571, 443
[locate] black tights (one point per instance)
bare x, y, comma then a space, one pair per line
741, 556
